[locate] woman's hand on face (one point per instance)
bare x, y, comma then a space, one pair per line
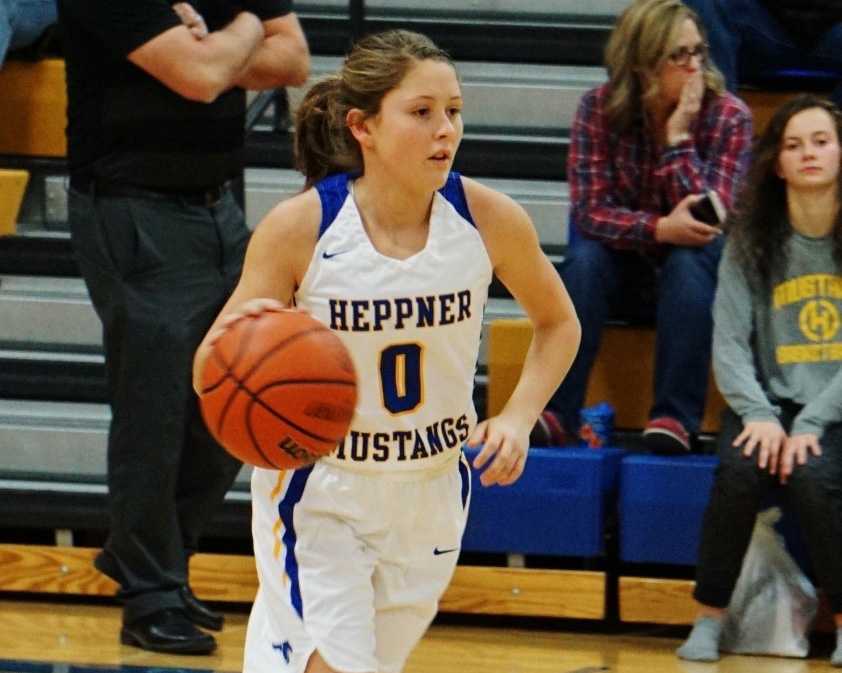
689, 104
681, 228
507, 443
797, 449
768, 437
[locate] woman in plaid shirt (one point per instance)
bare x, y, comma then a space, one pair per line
644, 148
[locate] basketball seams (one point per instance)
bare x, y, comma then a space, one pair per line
242, 425
248, 331
280, 346
240, 383
256, 400
304, 382
255, 444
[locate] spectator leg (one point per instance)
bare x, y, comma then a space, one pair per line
32, 18
591, 277
738, 490
724, 36
828, 57
5, 30
814, 492
686, 287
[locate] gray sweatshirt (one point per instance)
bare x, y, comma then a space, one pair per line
787, 346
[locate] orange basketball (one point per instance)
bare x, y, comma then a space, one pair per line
278, 390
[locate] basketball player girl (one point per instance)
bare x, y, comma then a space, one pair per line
395, 252
777, 347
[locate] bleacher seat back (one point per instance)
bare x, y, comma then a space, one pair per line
33, 108
557, 507
12, 188
662, 500
622, 373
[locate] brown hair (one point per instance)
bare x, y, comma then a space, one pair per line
759, 226
637, 49
375, 65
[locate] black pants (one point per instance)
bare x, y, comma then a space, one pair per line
158, 271
813, 493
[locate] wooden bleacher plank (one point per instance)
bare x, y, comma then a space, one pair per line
656, 601
12, 188
621, 375
33, 107
526, 592
232, 578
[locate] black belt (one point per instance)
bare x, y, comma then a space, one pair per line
204, 197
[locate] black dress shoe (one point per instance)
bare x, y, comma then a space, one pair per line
167, 631
198, 612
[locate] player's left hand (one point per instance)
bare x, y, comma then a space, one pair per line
796, 450
505, 445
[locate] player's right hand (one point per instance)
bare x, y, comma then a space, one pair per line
250, 309
768, 437
681, 228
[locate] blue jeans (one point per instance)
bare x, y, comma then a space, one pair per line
748, 44
680, 286
23, 21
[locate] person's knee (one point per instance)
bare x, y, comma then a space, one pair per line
588, 264
588, 254
691, 273
812, 482
737, 476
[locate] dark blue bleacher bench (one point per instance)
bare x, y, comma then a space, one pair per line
558, 506
662, 501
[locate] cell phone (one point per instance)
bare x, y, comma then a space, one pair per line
709, 209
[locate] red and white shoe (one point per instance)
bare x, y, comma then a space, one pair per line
666, 435
548, 431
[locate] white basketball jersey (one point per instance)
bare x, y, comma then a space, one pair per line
412, 327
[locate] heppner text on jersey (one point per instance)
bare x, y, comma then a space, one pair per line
374, 315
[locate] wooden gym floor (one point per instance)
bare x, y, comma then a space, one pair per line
43, 637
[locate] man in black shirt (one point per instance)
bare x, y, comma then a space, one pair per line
156, 110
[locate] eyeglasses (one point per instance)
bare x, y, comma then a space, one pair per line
681, 56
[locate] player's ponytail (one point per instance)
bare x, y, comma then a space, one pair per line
323, 143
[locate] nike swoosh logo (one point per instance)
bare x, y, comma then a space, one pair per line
330, 255
439, 552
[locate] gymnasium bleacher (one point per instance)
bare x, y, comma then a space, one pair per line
548, 547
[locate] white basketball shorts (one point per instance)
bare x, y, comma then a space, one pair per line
351, 564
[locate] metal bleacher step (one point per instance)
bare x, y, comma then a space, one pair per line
546, 201
45, 312
45, 248
525, 8
517, 117
503, 97
549, 31
57, 441
51, 340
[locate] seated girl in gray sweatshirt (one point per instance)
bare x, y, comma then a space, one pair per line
777, 357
